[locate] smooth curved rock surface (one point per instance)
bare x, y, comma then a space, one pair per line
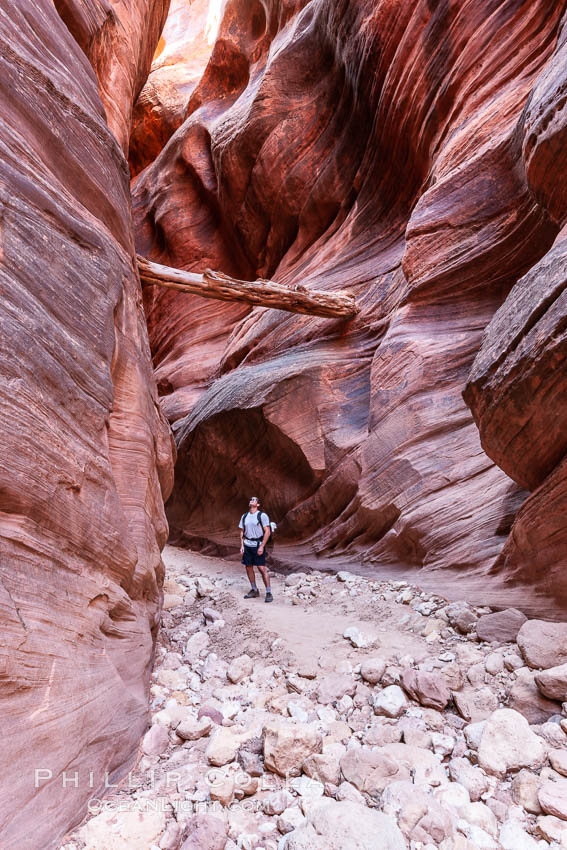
398, 150
119, 39
86, 454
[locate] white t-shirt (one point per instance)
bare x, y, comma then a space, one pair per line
252, 529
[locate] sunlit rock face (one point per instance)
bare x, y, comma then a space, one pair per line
181, 57
86, 453
399, 150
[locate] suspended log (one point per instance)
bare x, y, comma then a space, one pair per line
263, 293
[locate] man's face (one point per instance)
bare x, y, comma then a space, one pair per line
254, 504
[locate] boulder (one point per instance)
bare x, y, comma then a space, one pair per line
357, 638
195, 728
347, 791
501, 627
461, 616
240, 668
204, 586
212, 712
221, 788
277, 802
429, 689
290, 819
475, 704
390, 702
552, 797
196, 646
288, 744
334, 686
512, 836
212, 616
543, 644
525, 787
372, 670
205, 832
470, 777
473, 734
223, 746
558, 761
553, 682
553, 829
325, 766
508, 743
421, 764
155, 741
332, 825
371, 770
526, 698
115, 830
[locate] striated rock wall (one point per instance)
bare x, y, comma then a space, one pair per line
87, 455
517, 385
411, 153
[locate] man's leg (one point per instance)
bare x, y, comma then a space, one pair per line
248, 561
260, 562
264, 573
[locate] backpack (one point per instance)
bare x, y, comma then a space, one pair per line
273, 526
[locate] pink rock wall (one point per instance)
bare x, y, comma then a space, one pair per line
517, 385
86, 452
387, 148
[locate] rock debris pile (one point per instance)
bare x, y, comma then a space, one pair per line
425, 725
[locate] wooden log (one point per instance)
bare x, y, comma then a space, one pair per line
263, 293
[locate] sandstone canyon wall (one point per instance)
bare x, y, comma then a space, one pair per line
86, 452
412, 153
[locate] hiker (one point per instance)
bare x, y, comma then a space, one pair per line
254, 532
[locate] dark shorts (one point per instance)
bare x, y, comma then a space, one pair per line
251, 558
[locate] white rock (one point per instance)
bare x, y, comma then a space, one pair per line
204, 586
390, 702
473, 734
240, 668
307, 788
289, 819
442, 744
114, 830
212, 616
223, 746
335, 825
453, 796
191, 730
513, 837
196, 646
480, 815
508, 743
356, 637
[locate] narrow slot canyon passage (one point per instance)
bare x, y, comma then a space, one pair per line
371, 197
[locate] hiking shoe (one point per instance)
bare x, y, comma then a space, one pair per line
252, 594
269, 597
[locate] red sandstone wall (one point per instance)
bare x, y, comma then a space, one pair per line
86, 453
402, 150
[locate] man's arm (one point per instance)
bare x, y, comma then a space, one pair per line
241, 539
267, 532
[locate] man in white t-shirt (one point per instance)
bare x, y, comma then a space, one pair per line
254, 532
